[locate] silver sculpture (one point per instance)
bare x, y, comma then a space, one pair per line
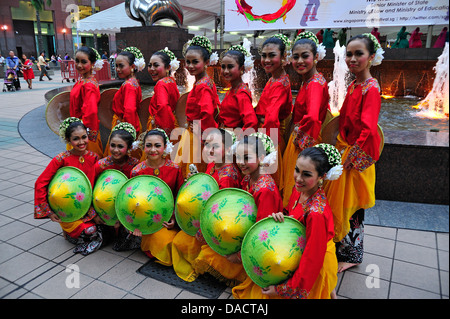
150, 11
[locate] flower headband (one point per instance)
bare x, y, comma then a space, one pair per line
269, 147
245, 50
98, 65
169, 145
334, 159
139, 61
311, 36
378, 50
174, 63
65, 124
285, 40
127, 127
202, 41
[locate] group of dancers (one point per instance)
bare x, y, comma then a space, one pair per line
325, 187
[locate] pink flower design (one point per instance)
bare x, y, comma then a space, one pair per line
65, 176
105, 216
79, 196
157, 218
158, 190
187, 184
301, 241
128, 190
129, 219
108, 179
215, 241
196, 223
61, 214
206, 195
247, 209
214, 208
263, 235
257, 271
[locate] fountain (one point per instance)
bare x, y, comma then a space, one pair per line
338, 87
435, 104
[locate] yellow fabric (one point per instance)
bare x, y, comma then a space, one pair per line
190, 149
185, 249
208, 261
289, 161
137, 153
95, 147
323, 286
353, 190
69, 227
159, 244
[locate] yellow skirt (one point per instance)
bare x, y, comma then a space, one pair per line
289, 161
185, 249
93, 146
69, 227
136, 153
190, 152
323, 286
353, 190
159, 244
208, 261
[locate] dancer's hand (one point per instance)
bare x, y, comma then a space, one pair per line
279, 217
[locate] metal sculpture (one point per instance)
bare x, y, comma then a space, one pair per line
150, 11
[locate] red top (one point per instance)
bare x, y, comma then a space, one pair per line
358, 123
163, 103
203, 103
310, 109
84, 99
108, 163
27, 70
126, 102
236, 109
41, 206
275, 103
315, 213
227, 176
266, 194
169, 173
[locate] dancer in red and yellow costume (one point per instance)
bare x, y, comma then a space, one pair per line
310, 108
156, 146
85, 96
202, 105
82, 232
127, 99
359, 143
316, 275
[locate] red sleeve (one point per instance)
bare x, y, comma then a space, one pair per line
278, 99
268, 202
311, 262
207, 106
310, 124
365, 151
89, 109
228, 182
130, 106
41, 206
162, 111
246, 110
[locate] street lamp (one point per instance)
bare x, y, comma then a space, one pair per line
64, 35
4, 28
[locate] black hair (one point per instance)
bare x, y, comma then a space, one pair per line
92, 56
164, 58
238, 56
130, 56
306, 41
124, 135
256, 142
155, 132
227, 138
204, 53
277, 41
72, 127
319, 158
370, 46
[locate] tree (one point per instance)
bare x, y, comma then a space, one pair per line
39, 6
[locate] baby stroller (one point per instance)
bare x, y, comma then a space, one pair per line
11, 82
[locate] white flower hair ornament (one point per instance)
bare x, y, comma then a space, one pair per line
174, 63
311, 36
245, 50
130, 129
65, 124
204, 42
269, 147
98, 65
169, 145
334, 159
214, 58
139, 61
378, 50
